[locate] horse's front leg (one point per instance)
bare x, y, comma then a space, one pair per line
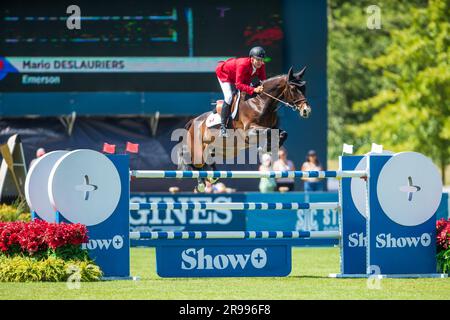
273, 138
283, 137
260, 137
201, 184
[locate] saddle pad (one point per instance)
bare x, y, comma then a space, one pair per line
214, 118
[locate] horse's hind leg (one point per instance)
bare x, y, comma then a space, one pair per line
201, 182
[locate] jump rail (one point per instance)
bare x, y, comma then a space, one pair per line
232, 205
202, 235
152, 174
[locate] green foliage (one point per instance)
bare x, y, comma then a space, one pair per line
68, 252
350, 43
411, 111
51, 269
17, 211
370, 69
443, 261
86, 271
390, 86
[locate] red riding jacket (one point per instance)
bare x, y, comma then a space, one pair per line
238, 71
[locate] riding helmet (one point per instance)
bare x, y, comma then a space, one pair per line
257, 52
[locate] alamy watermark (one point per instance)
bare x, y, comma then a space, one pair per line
74, 280
374, 17
73, 22
374, 280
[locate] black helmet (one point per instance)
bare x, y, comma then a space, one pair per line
257, 52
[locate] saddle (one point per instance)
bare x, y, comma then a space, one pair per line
214, 118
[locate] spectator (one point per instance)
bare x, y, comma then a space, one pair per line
39, 153
283, 164
312, 163
266, 184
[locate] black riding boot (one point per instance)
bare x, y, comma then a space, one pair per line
224, 114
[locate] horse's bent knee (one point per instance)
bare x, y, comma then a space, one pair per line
283, 137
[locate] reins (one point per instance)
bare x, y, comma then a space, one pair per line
285, 103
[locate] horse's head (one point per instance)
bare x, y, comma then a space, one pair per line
296, 92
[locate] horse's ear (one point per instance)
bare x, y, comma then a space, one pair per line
299, 84
290, 75
300, 74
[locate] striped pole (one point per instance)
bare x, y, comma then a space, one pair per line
245, 174
202, 235
232, 205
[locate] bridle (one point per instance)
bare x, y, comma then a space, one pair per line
285, 103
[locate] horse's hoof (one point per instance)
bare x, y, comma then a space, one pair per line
212, 180
201, 187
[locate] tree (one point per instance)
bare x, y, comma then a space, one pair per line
349, 79
411, 110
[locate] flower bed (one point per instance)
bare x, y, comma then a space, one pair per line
443, 245
42, 251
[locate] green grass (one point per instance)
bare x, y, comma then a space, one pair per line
308, 280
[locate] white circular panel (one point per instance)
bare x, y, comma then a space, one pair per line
36, 182
358, 186
84, 186
409, 188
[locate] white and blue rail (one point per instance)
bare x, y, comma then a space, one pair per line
232, 205
163, 174
203, 235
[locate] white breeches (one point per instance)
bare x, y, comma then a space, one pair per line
228, 90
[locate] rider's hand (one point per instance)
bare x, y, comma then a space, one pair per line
259, 89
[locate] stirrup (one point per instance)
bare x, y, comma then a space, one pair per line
223, 132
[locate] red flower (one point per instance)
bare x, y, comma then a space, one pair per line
443, 234
38, 236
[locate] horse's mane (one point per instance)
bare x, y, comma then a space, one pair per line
274, 78
267, 81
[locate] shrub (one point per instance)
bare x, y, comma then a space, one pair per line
29, 269
43, 251
17, 211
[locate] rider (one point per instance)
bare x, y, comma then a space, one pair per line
237, 73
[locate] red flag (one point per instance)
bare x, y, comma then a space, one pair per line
109, 148
132, 147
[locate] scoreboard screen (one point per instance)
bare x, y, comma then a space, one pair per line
131, 45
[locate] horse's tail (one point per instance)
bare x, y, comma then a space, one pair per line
182, 149
188, 124
180, 161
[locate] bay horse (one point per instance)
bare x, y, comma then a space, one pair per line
255, 114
